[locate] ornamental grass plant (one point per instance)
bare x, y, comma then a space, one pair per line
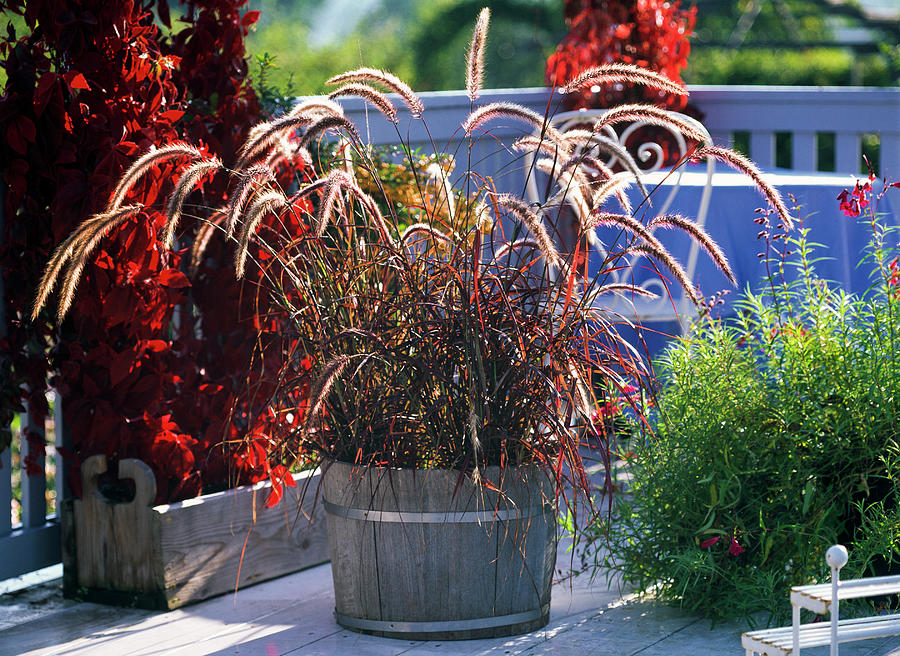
776, 434
440, 327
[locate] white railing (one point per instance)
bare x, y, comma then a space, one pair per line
801, 114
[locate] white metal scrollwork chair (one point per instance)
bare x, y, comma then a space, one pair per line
669, 302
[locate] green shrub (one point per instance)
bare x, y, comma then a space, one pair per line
775, 435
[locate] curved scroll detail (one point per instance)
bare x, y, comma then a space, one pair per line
649, 157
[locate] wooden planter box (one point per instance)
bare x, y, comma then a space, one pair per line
163, 557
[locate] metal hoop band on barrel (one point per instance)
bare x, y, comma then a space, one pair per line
407, 517
434, 627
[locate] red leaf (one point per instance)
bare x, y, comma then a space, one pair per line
173, 278
42, 92
249, 18
172, 115
275, 495
75, 80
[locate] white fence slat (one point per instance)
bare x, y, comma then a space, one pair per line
722, 138
804, 154
762, 148
847, 152
890, 154
34, 486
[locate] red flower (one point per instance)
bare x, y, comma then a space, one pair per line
706, 544
854, 202
734, 548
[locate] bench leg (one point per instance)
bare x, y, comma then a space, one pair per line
795, 630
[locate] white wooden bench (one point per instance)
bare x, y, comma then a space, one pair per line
825, 598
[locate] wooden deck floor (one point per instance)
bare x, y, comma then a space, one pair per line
293, 615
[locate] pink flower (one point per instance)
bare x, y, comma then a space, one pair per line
706, 544
735, 549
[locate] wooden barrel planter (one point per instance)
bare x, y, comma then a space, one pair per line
428, 555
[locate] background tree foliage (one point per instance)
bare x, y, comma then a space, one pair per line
787, 42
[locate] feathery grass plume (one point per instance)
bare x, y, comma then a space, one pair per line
653, 116
518, 244
386, 79
186, 183
320, 389
328, 123
87, 242
624, 289
267, 202
610, 147
474, 441
265, 135
430, 230
437, 172
247, 185
315, 107
491, 111
628, 73
582, 393
628, 222
740, 163
333, 183
143, 164
701, 236
535, 225
374, 213
663, 256
201, 241
370, 94
615, 186
475, 59
604, 173
64, 251
570, 189
281, 151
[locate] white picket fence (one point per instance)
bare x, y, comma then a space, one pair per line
803, 116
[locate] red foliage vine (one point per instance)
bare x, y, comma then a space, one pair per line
652, 34
152, 364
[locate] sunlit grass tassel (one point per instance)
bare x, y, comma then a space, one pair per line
475, 59
249, 182
699, 235
437, 172
67, 248
323, 385
186, 183
263, 136
316, 108
492, 111
535, 226
87, 242
266, 203
740, 163
662, 256
334, 123
371, 95
652, 115
144, 163
387, 80
628, 73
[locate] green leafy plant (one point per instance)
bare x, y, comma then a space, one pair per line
776, 435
